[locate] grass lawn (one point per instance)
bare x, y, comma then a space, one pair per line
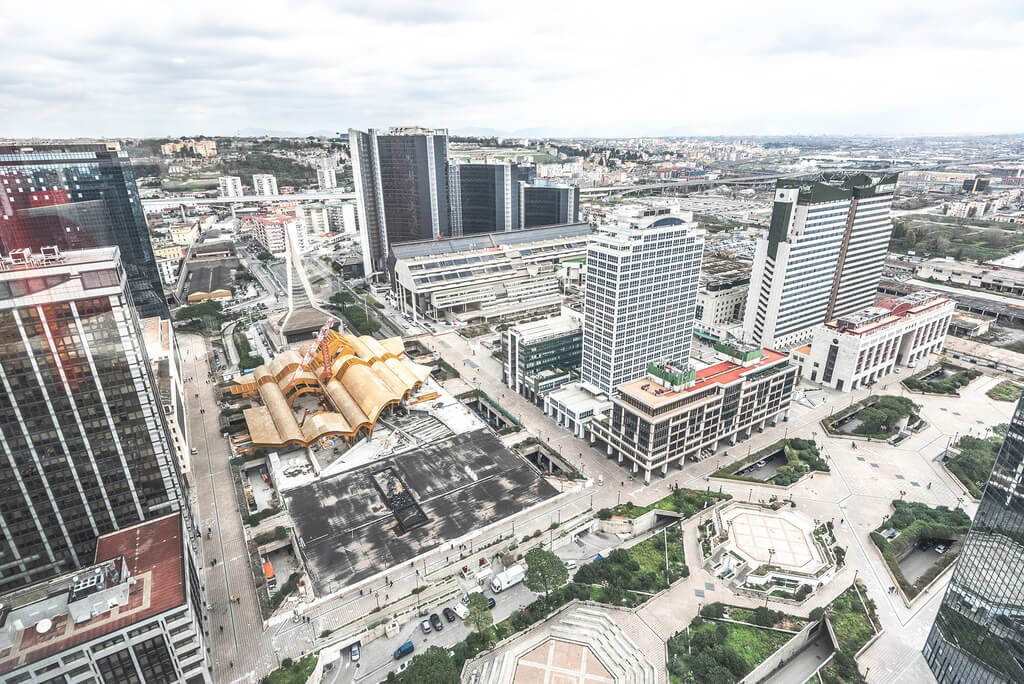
685, 501
916, 521
854, 626
639, 568
951, 384
801, 458
297, 672
720, 651
1005, 391
973, 464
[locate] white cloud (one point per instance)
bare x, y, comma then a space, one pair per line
910, 67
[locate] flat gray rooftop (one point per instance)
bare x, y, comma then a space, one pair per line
461, 484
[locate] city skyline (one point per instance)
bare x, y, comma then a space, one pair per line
225, 71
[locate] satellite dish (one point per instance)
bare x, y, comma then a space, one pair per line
44, 626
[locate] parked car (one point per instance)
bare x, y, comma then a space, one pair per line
449, 614
354, 652
436, 623
425, 626
570, 565
490, 602
941, 548
404, 650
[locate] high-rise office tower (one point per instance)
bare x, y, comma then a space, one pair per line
544, 203
84, 449
484, 198
822, 256
79, 196
230, 186
865, 243
641, 293
978, 636
401, 181
264, 184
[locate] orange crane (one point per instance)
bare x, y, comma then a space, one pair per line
319, 343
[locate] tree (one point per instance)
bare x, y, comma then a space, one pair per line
478, 614
264, 256
433, 666
544, 571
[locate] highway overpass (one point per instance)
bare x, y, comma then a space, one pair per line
161, 203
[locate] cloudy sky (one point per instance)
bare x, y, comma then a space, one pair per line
556, 67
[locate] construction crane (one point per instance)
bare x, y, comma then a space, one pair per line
319, 343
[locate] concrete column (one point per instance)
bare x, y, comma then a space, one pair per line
664, 468
620, 457
647, 476
635, 467
608, 449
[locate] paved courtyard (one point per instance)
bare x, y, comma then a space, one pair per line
776, 537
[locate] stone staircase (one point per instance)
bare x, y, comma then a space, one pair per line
586, 626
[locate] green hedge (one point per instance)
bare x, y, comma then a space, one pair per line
950, 385
802, 457
973, 464
916, 521
879, 416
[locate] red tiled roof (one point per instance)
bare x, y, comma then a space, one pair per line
154, 555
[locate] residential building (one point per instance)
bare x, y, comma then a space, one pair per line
541, 356
79, 196
198, 148
485, 198
326, 177
488, 277
721, 298
184, 234
992, 277
978, 636
401, 182
84, 447
166, 249
822, 257
640, 294
264, 184
674, 414
855, 350
545, 203
342, 217
270, 231
168, 269
134, 613
314, 220
230, 186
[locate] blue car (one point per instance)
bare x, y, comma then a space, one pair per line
404, 650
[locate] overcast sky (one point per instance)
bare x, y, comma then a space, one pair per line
900, 67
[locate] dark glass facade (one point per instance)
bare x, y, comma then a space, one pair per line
547, 205
78, 197
83, 446
484, 197
978, 635
401, 181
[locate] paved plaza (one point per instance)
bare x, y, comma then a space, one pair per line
777, 537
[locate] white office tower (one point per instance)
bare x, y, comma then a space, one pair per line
230, 186
822, 257
641, 291
264, 184
326, 176
865, 244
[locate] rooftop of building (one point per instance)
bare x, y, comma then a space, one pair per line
157, 334
886, 312
451, 487
489, 241
29, 150
365, 376
214, 247
54, 615
720, 272
655, 394
967, 267
206, 279
536, 331
20, 262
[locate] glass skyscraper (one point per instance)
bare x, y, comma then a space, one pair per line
84, 447
79, 196
978, 635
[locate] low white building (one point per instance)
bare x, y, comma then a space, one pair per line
855, 350
575, 405
168, 269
